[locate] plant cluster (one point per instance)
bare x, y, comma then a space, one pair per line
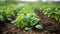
7, 12
52, 11
27, 19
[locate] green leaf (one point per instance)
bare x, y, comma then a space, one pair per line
27, 28
40, 27
17, 24
1, 18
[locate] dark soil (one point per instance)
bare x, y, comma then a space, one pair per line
51, 26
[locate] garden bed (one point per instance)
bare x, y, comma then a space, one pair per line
51, 26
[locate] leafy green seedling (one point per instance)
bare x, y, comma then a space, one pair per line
26, 18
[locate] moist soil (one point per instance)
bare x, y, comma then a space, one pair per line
51, 26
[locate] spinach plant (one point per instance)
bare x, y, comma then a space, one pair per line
26, 19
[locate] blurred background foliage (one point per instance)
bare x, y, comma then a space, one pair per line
9, 2
6, 2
